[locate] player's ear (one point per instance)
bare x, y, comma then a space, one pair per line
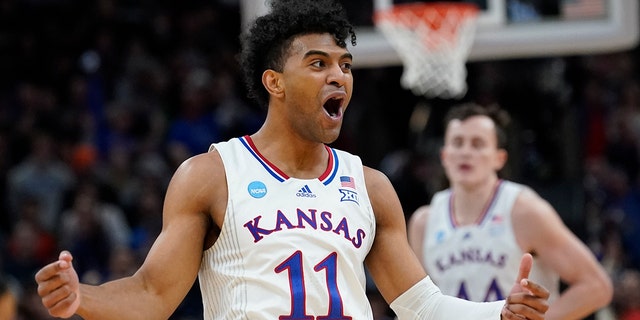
272, 81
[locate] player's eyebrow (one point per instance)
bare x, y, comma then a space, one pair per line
309, 53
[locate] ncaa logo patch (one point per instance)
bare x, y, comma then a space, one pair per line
257, 189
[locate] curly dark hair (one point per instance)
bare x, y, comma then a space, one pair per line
266, 44
500, 117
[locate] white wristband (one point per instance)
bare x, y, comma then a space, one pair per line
424, 301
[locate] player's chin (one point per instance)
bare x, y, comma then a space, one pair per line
331, 135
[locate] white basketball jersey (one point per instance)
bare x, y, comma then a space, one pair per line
478, 262
289, 248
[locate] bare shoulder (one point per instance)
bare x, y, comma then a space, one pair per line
420, 216
384, 199
375, 178
202, 166
530, 205
417, 230
535, 221
199, 186
379, 187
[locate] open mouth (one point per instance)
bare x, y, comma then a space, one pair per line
333, 107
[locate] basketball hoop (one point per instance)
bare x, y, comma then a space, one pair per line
433, 40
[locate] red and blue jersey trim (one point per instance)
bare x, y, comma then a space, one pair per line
332, 167
326, 177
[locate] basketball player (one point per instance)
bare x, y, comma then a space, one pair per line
277, 225
482, 225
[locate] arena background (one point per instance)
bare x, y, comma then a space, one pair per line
101, 100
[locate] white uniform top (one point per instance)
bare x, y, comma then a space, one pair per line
289, 248
478, 262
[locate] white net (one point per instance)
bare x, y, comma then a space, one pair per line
433, 42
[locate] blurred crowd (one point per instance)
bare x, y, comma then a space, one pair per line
610, 103
100, 101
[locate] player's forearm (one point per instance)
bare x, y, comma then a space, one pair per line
425, 301
122, 299
579, 301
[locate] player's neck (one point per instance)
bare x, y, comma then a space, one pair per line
295, 157
470, 203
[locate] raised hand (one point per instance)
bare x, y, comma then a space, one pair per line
527, 300
59, 287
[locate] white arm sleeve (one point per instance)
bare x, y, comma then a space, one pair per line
424, 301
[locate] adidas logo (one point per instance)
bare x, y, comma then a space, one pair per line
305, 192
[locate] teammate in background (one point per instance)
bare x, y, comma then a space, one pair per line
471, 236
278, 225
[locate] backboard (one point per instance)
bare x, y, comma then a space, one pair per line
509, 28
